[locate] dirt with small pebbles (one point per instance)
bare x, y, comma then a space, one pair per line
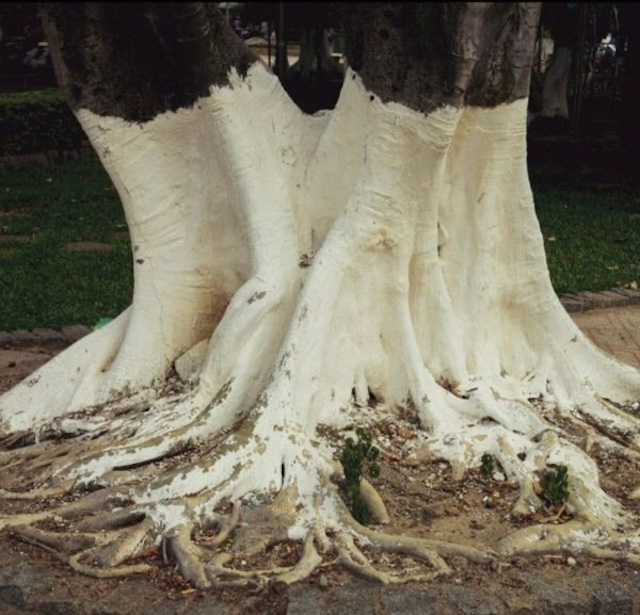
422, 500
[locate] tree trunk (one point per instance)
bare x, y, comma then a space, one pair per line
555, 90
564, 22
294, 274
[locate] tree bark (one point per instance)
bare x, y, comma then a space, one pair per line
555, 90
295, 274
428, 55
136, 60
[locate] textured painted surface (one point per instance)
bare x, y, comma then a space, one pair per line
315, 289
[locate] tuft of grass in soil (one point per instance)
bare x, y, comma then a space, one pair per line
487, 466
555, 486
41, 283
357, 459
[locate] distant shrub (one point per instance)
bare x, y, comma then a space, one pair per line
37, 121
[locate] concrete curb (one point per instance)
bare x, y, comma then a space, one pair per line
616, 297
47, 338
65, 336
45, 159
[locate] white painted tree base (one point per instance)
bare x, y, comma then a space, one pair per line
287, 269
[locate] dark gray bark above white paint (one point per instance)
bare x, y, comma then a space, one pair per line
426, 55
136, 60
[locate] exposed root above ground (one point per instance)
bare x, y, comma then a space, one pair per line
304, 524
409, 280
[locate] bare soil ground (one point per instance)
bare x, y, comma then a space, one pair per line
422, 500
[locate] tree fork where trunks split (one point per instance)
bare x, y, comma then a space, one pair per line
289, 269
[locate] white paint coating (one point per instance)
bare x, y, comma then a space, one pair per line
426, 281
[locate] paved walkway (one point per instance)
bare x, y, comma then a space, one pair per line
615, 330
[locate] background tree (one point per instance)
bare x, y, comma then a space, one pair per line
298, 273
315, 79
580, 66
563, 20
24, 61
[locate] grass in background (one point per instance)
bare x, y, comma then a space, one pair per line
42, 284
591, 230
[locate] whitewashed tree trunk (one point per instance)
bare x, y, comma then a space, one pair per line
288, 270
555, 90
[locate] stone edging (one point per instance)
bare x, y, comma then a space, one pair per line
60, 338
49, 338
616, 297
43, 159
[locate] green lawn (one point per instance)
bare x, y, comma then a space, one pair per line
41, 283
591, 230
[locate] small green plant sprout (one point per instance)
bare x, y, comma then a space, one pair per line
555, 486
487, 466
359, 458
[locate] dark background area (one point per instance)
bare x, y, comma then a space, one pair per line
601, 133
